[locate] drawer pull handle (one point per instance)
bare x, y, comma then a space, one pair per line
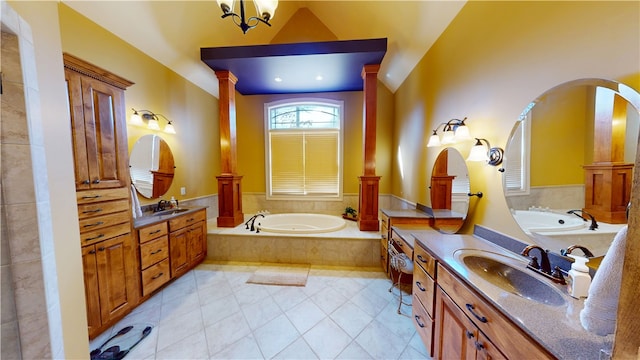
190, 220
422, 259
92, 197
157, 276
91, 211
481, 318
469, 334
419, 285
418, 321
155, 232
95, 237
156, 252
479, 346
94, 224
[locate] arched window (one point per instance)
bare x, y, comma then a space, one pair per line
304, 149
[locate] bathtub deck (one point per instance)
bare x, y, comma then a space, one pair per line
346, 247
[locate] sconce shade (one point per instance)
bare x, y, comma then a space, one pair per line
462, 133
434, 140
136, 119
266, 8
478, 152
448, 137
169, 129
153, 124
226, 5
481, 152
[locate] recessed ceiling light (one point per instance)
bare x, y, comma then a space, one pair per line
277, 79
319, 77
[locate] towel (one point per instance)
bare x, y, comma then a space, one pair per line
601, 306
135, 203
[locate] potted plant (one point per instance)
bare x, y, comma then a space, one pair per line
350, 213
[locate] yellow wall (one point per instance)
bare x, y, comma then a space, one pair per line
492, 60
193, 111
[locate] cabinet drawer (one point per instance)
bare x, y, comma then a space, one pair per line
100, 222
423, 323
402, 245
155, 276
152, 232
384, 255
186, 220
93, 196
509, 338
103, 208
92, 237
424, 289
153, 251
425, 260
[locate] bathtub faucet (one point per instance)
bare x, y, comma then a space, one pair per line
253, 220
594, 223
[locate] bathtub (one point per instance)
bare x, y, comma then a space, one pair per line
294, 223
544, 221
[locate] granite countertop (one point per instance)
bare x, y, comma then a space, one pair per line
447, 214
148, 218
405, 231
557, 328
406, 213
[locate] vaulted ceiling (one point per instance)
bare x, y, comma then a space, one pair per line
173, 32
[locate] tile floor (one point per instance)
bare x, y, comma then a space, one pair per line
212, 313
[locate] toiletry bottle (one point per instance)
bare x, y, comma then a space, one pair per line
579, 278
173, 203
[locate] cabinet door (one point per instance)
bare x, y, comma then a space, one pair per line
91, 289
76, 109
178, 255
105, 131
485, 350
197, 243
111, 256
455, 334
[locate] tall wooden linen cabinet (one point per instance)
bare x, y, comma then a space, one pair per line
98, 124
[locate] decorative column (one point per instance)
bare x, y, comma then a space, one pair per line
608, 178
229, 183
369, 182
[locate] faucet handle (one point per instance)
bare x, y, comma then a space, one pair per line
557, 275
534, 263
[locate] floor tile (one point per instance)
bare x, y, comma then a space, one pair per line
211, 312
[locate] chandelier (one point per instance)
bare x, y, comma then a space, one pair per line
265, 9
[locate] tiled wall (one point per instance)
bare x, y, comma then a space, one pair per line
553, 197
31, 326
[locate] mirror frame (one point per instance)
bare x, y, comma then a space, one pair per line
151, 166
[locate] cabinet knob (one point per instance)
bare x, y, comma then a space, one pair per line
479, 346
92, 252
86, 182
101, 249
469, 334
96, 181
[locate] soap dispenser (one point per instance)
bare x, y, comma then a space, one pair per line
173, 203
579, 279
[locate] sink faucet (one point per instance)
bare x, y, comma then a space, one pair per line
568, 251
594, 224
162, 204
544, 266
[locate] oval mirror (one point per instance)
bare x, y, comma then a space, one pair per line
449, 191
569, 164
151, 166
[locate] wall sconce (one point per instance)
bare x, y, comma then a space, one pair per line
453, 131
152, 119
481, 152
265, 10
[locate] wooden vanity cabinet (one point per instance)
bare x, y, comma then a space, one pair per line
424, 275
98, 126
187, 241
154, 257
468, 327
386, 222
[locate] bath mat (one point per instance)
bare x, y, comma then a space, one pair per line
281, 274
